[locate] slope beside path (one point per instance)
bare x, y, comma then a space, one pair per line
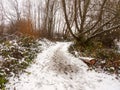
56, 69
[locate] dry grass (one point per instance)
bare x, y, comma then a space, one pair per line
26, 28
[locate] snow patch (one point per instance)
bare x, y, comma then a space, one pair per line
56, 69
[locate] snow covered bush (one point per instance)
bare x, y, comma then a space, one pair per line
16, 55
107, 59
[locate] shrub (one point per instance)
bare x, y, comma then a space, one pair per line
17, 54
25, 27
107, 59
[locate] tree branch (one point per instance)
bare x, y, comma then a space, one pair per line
67, 21
99, 17
105, 31
75, 15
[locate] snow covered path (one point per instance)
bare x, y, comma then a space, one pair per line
56, 69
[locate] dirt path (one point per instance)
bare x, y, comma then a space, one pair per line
56, 69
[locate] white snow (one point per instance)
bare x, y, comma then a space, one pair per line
56, 69
118, 44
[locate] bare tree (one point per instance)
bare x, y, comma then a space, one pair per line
49, 17
1, 18
89, 19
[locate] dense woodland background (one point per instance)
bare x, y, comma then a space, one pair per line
84, 20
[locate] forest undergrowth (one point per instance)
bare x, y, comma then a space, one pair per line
106, 59
15, 56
